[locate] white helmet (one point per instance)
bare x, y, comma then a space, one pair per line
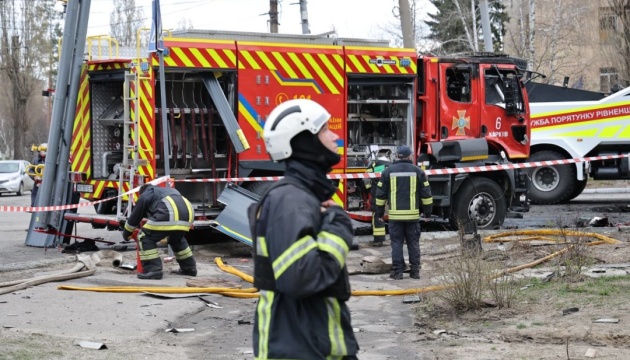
289, 119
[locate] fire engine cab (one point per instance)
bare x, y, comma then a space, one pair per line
221, 86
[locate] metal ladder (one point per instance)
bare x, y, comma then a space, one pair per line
131, 140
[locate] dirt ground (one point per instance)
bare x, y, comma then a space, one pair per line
534, 327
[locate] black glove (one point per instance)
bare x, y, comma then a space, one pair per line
126, 234
336, 221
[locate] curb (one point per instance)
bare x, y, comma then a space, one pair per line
607, 191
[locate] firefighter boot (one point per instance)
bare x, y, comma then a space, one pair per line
186, 271
151, 275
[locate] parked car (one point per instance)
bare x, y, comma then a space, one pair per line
13, 177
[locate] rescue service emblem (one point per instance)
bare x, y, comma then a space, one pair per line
381, 61
460, 123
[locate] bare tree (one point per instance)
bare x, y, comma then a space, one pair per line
615, 22
550, 35
22, 31
125, 21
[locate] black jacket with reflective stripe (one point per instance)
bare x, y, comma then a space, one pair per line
406, 188
165, 208
298, 316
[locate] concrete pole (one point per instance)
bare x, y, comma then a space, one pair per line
405, 24
273, 16
485, 26
304, 16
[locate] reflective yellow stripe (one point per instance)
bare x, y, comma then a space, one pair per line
292, 254
174, 207
191, 212
261, 247
129, 227
377, 230
380, 202
333, 245
184, 254
412, 192
335, 332
265, 304
427, 201
392, 193
426, 183
149, 254
157, 227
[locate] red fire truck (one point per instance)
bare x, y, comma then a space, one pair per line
221, 86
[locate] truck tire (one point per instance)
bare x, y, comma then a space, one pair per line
551, 184
480, 200
581, 185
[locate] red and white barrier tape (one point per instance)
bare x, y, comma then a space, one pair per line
76, 206
461, 170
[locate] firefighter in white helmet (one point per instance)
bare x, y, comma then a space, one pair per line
301, 241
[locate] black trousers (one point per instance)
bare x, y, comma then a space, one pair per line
399, 233
150, 257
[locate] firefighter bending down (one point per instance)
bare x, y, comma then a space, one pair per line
169, 215
378, 225
301, 242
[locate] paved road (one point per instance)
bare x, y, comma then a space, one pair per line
128, 322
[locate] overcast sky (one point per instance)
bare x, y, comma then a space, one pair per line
350, 18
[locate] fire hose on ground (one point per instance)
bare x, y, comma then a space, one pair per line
253, 292
85, 266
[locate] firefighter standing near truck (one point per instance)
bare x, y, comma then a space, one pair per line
170, 215
405, 187
378, 225
301, 241
40, 159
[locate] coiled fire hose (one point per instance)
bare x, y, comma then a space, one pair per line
253, 292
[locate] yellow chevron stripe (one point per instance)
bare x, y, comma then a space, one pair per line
610, 131
339, 59
231, 56
300, 65
321, 73
284, 65
250, 60
357, 64
266, 60
199, 56
250, 119
337, 199
168, 61
402, 69
215, 55
388, 68
333, 89
182, 56
324, 58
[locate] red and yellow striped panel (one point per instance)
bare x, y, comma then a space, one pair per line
367, 60
108, 65
339, 195
80, 148
146, 119
319, 67
199, 53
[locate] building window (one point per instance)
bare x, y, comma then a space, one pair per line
608, 24
608, 77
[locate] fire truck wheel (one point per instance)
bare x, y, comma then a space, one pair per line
581, 185
479, 200
551, 184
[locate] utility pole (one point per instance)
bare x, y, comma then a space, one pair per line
304, 15
405, 24
485, 26
273, 16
